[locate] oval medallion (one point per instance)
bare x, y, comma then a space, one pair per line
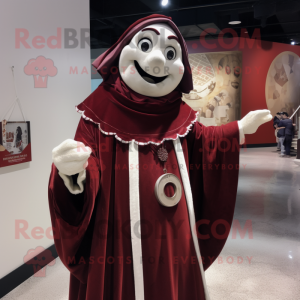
162, 154
159, 190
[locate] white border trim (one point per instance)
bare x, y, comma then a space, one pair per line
73, 188
188, 128
135, 219
190, 207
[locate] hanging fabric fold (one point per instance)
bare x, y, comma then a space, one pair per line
190, 206
135, 215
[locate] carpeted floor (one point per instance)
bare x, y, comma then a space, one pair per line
259, 267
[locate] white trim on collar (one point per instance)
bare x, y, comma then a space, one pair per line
188, 128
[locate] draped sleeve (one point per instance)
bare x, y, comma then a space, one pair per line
72, 216
213, 156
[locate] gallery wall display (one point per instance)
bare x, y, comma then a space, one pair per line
282, 83
258, 85
15, 143
217, 79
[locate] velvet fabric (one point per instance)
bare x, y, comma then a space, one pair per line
92, 229
121, 112
129, 115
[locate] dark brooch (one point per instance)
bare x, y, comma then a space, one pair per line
162, 154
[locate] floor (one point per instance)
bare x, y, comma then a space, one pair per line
263, 265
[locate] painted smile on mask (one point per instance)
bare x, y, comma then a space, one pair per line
147, 77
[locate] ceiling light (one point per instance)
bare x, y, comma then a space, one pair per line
292, 43
234, 22
164, 2
234, 19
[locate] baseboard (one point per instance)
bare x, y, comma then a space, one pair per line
259, 145
19, 275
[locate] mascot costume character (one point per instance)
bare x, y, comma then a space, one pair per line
135, 196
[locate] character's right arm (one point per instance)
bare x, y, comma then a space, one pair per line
72, 157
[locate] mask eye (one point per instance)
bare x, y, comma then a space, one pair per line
170, 53
145, 45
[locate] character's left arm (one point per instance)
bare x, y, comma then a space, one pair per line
250, 123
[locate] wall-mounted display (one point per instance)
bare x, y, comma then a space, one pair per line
217, 79
282, 83
15, 144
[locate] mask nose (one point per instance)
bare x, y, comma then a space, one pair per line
156, 62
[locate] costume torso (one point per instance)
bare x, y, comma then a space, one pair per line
99, 252
116, 239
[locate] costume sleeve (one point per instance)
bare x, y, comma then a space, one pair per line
213, 168
72, 215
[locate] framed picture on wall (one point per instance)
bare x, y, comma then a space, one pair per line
15, 143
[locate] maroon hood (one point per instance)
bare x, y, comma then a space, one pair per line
108, 62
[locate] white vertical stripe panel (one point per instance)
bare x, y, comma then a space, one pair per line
190, 206
135, 217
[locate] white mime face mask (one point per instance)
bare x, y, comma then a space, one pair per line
151, 64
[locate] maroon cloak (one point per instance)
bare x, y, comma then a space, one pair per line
92, 229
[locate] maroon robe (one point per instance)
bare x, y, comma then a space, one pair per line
92, 229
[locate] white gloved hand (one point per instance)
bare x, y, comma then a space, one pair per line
254, 119
70, 157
